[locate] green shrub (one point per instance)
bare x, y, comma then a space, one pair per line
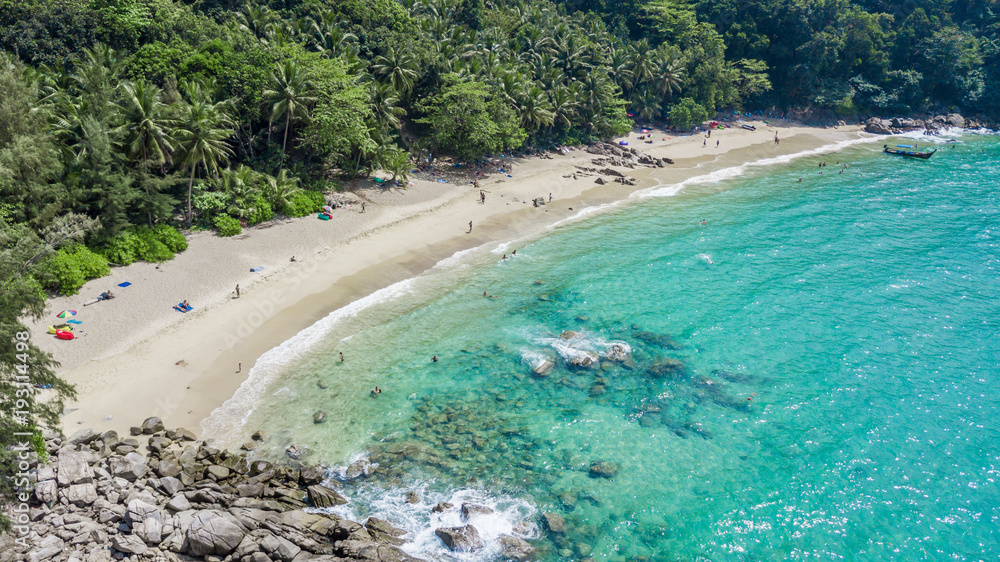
92, 264
170, 237
260, 210
69, 268
123, 249
303, 203
227, 225
150, 248
209, 204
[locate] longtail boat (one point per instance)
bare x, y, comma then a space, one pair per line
909, 153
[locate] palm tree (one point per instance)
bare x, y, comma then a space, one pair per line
399, 67
396, 161
384, 102
278, 189
147, 133
670, 78
202, 130
291, 97
642, 64
534, 109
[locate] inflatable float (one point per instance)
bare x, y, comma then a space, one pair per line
64, 335
60, 328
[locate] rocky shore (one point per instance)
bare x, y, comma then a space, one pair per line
930, 124
164, 495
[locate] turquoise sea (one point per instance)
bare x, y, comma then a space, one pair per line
813, 373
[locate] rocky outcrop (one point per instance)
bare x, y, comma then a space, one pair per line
878, 126
100, 498
624, 157
461, 539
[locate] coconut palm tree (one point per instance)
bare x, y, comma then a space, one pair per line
278, 189
291, 97
534, 109
384, 102
399, 67
202, 130
147, 130
670, 77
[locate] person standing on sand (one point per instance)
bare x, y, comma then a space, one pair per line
776, 138
704, 143
716, 144
470, 226
362, 207
550, 197
237, 291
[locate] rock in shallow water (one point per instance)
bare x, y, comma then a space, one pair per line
461, 539
603, 469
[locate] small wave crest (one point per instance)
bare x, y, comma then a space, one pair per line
504, 515
229, 418
736, 171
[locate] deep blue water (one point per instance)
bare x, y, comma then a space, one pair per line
812, 373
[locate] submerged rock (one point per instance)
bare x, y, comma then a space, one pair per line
554, 523
319, 417
515, 548
603, 469
668, 367
542, 368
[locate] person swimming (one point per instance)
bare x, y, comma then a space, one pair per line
376, 391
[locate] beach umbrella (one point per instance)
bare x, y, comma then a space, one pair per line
66, 314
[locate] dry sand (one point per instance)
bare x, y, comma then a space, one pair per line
138, 357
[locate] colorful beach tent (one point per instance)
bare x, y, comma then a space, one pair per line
66, 314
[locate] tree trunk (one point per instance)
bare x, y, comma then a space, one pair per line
288, 124
190, 183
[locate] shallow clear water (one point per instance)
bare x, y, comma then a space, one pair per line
814, 372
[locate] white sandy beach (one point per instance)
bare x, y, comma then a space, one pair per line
138, 357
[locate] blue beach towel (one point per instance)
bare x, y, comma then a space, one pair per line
442, 181
125, 284
73, 322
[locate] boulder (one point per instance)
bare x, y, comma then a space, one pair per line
279, 548
216, 472
321, 496
542, 368
443, 506
878, 126
80, 495
151, 426
319, 417
170, 485
211, 533
367, 550
603, 469
471, 510
359, 468
554, 523
167, 469
514, 548
130, 467
180, 434
311, 475
178, 503
72, 468
46, 548
600, 181
129, 544
460, 539
955, 120
82, 437
47, 492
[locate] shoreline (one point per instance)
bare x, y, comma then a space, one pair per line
181, 368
